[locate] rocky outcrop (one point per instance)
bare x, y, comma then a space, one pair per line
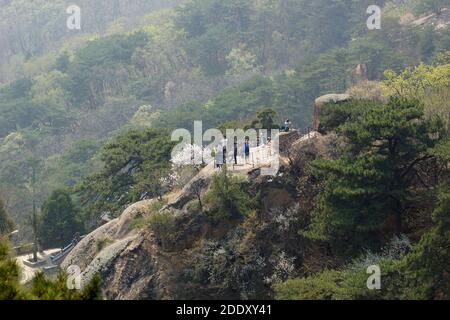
287, 139
87, 249
99, 251
135, 264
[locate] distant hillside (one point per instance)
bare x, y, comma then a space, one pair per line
32, 28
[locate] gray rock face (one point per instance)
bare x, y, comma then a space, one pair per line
132, 264
117, 229
87, 249
107, 251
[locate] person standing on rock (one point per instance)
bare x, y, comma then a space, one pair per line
235, 151
247, 150
224, 150
287, 125
218, 157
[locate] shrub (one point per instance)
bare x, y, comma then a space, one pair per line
226, 199
103, 243
324, 286
6, 223
163, 226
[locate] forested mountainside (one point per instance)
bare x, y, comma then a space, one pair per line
167, 67
86, 118
30, 29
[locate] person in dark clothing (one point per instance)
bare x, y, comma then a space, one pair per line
224, 154
235, 151
247, 149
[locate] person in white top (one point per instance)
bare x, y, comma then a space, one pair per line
287, 125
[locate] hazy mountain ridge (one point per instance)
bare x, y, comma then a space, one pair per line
33, 28
85, 126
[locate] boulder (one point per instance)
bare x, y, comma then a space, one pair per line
107, 235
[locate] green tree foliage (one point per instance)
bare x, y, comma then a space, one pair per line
92, 290
133, 163
20, 109
428, 83
77, 162
163, 226
92, 85
41, 288
321, 287
331, 118
6, 223
9, 275
226, 198
321, 19
89, 87
62, 63
266, 119
284, 95
346, 284
211, 28
290, 94
39, 27
420, 274
45, 289
240, 61
427, 265
94, 67
274, 30
374, 179
59, 220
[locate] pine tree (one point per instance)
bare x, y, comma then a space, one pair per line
41, 287
10, 288
226, 197
427, 265
372, 180
59, 220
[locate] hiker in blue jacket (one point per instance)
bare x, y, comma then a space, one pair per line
247, 149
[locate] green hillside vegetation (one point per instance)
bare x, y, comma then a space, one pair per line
188, 64
6, 222
86, 117
41, 287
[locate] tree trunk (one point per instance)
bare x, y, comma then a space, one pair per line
200, 202
36, 248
